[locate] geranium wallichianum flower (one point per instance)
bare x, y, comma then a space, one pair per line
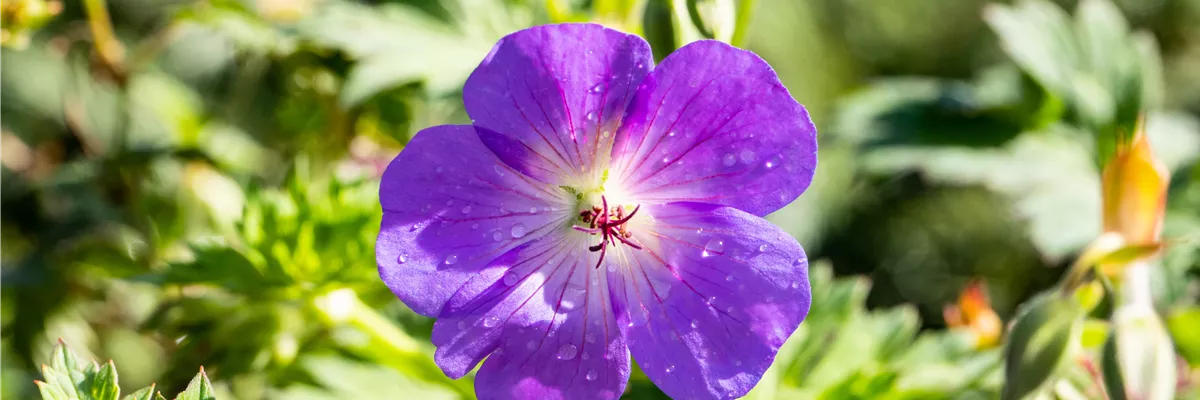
601, 207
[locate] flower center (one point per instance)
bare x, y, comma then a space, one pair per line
609, 223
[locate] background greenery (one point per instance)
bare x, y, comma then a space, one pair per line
196, 186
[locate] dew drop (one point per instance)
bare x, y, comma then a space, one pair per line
491, 321
451, 259
499, 170
467, 210
728, 278
729, 309
510, 279
666, 160
674, 336
747, 156
605, 134
762, 248
729, 159
798, 262
796, 285
591, 116
671, 134
533, 210
497, 236
713, 247
670, 369
518, 230
596, 89
592, 375
695, 324
401, 259
585, 356
591, 338
567, 352
462, 325
474, 226
773, 162
641, 65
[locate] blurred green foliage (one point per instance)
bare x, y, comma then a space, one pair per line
196, 185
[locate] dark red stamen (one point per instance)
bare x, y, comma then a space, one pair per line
610, 224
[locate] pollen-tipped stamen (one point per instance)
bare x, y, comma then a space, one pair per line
610, 224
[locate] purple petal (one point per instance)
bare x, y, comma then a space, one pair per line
710, 300
713, 124
451, 207
544, 315
554, 94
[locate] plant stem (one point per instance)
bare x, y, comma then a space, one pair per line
378, 339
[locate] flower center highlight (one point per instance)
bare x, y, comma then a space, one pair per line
609, 223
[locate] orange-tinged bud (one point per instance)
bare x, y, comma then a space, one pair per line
974, 313
1135, 191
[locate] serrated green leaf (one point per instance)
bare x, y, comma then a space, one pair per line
198, 389
146, 393
103, 385
51, 392
70, 373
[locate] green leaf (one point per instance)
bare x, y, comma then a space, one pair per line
1042, 338
1183, 327
146, 393
71, 374
198, 389
659, 28
103, 385
50, 391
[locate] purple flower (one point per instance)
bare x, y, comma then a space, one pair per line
601, 207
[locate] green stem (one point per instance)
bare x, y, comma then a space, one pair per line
384, 342
742, 25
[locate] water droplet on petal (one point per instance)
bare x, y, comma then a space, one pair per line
729, 159
747, 156
773, 162
591, 116
592, 375
518, 230
729, 309
641, 65
762, 248
666, 160
474, 226
401, 259
451, 259
670, 369
497, 236
499, 170
728, 278
596, 89
567, 352
796, 285
510, 279
695, 324
605, 134
591, 338
466, 210
713, 247
671, 134
491, 321
798, 262
585, 356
